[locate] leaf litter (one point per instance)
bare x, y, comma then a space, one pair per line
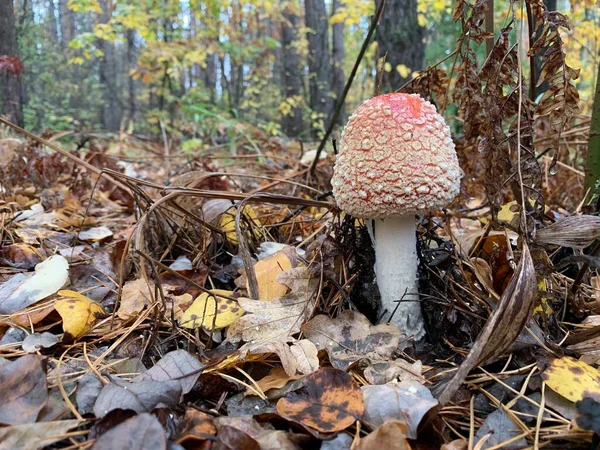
233, 306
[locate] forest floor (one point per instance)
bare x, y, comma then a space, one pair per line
216, 298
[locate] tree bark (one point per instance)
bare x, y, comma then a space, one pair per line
339, 80
10, 65
131, 64
400, 39
592, 168
52, 24
291, 124
67, 23
111, 112
319, 62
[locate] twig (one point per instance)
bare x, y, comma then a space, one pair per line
342, 99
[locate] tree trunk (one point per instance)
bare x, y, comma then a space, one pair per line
131, 64
67, 23
339, 80
111, 113
10, 65
52, 24
400, 39
592, 168
319, 62
291, 124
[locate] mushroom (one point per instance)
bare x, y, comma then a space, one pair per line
396, 158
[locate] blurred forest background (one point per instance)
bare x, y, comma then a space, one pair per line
189, 65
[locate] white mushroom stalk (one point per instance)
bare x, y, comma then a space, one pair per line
396, 266
396, 159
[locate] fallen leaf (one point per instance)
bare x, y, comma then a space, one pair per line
350, 337
211, 311
408, 401
574, 232
266, 273
458, 444
229, 438
329, 401
573, 379
227, 222
141, 432
178, 365
281, 318
23, 391
391, 434
96, 234
382, 372
199, 430
34, 436
37, 341
588, 415
21, 291
276, 379
88, 390
299, 356
78, 313
137, 295
500, 428
20, 255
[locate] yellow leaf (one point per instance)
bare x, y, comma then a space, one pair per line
211, 311
573, 379
266, 271
227, 222
387, 67
78, 313
403, 70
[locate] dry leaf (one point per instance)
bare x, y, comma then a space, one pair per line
96, 234
573, 379
391, 434
408, 401
211, 311
78, 312
300, 356
350, 337
329, 401
137, 295
276, 379
23, 391
382, 372
33, 436
266, 272
574, 231
281, 318
21, 291
141, 432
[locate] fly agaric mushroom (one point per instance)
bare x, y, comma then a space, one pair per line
396, 158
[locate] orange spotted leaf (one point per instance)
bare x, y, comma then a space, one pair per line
330, 401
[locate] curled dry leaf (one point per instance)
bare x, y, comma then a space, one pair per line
573, 232
23, 391
573, 379
408, 401
141, 432
78, 313
329, 401
503, 326
382, 372
137, 295
230, 438
276, 379
299, 356
95, 234
21, 291
199, 430
391, 434
350, 337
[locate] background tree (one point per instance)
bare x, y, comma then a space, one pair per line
10, 65
337, 50
319, 62
400, 40
291, 123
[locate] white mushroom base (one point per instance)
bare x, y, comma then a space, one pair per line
396, 266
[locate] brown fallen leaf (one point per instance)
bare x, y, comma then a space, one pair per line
199, 430
33, 436
391, 434
382, 372
298, 356
329, 401
23, 391
141, 432
276, 379
350, 337
229, 438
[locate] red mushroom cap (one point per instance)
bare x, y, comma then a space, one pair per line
396, 157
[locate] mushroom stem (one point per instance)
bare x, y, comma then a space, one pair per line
396, 269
